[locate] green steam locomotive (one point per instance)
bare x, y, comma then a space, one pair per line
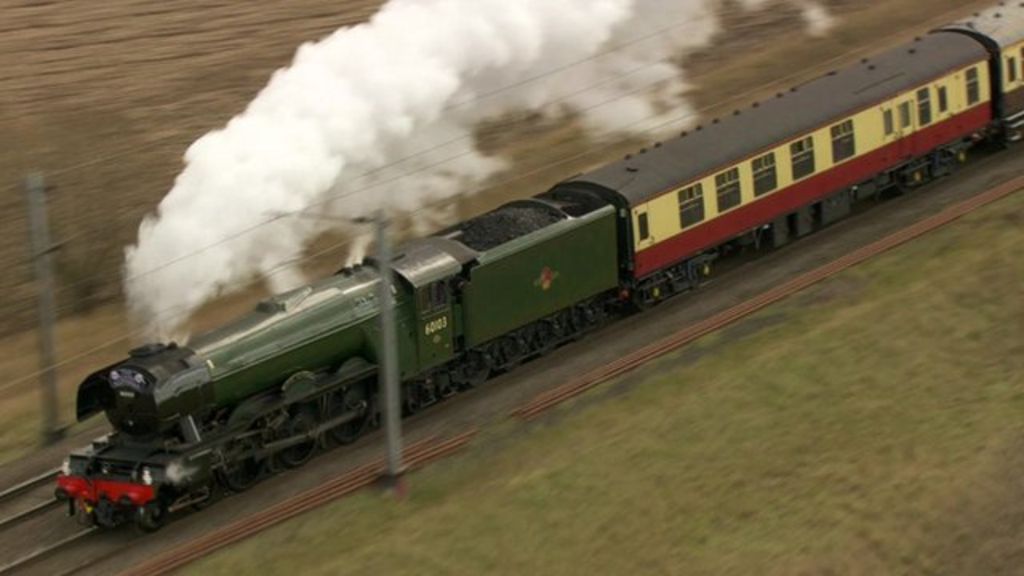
300, 370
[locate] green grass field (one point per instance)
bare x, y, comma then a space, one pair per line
870, 425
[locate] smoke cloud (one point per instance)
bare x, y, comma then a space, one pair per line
381, 116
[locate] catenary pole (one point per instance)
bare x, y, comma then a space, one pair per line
389, 359
42, 250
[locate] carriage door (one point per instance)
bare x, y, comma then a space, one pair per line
434, 308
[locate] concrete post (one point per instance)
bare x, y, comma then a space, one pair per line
389, 376
42, 249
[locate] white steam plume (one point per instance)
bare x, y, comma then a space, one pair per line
382, 115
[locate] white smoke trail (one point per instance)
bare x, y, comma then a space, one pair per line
419, 76
816, 17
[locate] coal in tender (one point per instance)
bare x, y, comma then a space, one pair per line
503, 225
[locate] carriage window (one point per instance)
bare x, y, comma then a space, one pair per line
924, 106
691, 205
943, 100
765, 178
843, 143
727, 185
905, 115
803, 157
890, 126
1011, 69
644, 226
973, 87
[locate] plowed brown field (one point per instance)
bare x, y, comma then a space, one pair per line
105, 96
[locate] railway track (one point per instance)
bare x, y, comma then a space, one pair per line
46, 551
103, 546
19, 505
27, 499
428, 450
29, 484
415, 456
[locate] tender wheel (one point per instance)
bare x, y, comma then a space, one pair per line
548, 336
510, 352
240, 476
151, 517
301, 422
472, 371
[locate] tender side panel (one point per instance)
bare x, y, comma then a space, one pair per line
883, 136
539, 275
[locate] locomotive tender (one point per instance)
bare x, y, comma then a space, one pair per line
299, 371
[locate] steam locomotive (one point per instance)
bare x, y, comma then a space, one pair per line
300, 371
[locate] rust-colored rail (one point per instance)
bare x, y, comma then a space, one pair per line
416, 456
550, 398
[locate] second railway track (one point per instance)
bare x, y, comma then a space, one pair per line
27, 499
20, 507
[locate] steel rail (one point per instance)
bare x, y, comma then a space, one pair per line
45, 551
21, 489
28, 513
551, 398
27, 485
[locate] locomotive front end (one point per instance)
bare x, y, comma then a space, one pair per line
151, 400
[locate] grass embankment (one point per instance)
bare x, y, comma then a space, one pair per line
870, 425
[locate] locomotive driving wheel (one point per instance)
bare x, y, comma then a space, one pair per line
241, 475
302, 422
341, 402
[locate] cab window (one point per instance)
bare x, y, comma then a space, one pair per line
433, 297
